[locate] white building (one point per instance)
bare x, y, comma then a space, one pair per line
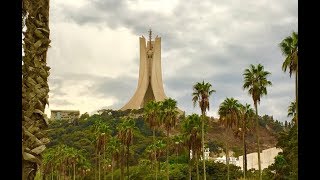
206, 154
266, 156
232, 160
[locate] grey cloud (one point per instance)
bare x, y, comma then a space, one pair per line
220, 46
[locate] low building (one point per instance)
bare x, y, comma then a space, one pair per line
65, 115
232, 160
266, 157
206, 154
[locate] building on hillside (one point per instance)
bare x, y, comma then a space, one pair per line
232, 160
266, 156
206, 154
65, 115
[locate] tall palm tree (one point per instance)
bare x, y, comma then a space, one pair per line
169, 119
255, 80
229, 117
177, 143
152, 152
125, 135
102, 133
152, 116
292, 112
289, 48
48, 161
155, 151
246, 114
191, 130
201, 94
35, 87
113, 148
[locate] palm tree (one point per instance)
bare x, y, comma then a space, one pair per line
191, 129
155, 151
201, 94
229, 116
152, 116
152, 152
177, 143
48, 161
292, 112
246, 114
160, 147
113, 148
35, 87
255, 80
125, 135
102, 132
169, 120
289, 48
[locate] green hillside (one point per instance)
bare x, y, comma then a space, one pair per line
81, 135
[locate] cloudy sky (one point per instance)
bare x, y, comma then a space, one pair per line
94, 52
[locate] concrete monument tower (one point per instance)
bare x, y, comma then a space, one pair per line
150, 85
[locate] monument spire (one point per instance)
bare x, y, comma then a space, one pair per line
150, 38
150, 84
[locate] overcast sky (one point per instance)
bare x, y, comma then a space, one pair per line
94, 54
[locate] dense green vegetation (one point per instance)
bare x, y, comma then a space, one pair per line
146, 156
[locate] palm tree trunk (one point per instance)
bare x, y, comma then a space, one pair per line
96, 164
156, 166
63, 173
153, 139
121, 164
245, 157
74, 171
112, 163
189, 164
227, 160
197, 166
104, 162
128, 161
167, 154
52, 173
202, 140
258, 140
159, 167
34, 84
297, 95
99, 166
244, 147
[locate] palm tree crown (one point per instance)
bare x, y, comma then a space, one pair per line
201, 93
229, 112
169, 113
289, 48
292, 111
255, 79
